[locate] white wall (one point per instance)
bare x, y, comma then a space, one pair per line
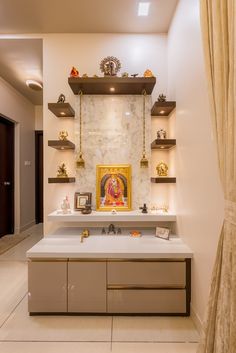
17, 108
85, 52
199, 196
38, 117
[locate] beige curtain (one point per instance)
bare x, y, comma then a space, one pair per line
219, 40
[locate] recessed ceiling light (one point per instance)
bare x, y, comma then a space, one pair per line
162, 112
112, 89
143, 8
62, 113
35, 85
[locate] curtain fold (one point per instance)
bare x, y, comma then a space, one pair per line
219, 42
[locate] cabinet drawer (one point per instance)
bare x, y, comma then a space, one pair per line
160, 274
147, 301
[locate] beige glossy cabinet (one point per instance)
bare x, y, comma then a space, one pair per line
160, 286
47, 286
86, 286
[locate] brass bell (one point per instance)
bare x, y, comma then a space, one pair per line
80, 163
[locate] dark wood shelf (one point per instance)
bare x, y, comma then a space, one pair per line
61, 180
163, 144
162, 108
158, 180
62, 110
61, 145
112, 85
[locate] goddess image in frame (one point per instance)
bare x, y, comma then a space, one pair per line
113, 187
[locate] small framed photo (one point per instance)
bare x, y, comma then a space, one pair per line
163, 233
80, 200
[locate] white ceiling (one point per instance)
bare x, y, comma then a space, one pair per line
21, 59
85, 16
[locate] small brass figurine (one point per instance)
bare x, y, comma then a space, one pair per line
148, 73
161, 98
63, 135
61, 98
125, 74
95, 76
161, 134
144, 208
163, 208
162, 169
85, 75
74, 72
61, 171
134, 75
110, 66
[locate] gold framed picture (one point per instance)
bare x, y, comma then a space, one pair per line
113, 187
80, 200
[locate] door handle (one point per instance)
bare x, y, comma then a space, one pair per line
6, 183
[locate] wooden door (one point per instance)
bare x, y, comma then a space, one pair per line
6, 177
39, 176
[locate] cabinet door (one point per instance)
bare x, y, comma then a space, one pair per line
87, 287
47, 285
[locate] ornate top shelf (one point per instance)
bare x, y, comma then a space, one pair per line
112, 85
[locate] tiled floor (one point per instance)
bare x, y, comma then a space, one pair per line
21, 333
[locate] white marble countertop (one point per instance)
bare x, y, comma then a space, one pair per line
109, 247
95, 216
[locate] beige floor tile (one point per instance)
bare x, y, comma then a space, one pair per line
154, 347
22, 327
54, 347
156, 329
13, 284
18, 252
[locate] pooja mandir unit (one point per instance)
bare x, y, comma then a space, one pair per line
109, 129
176, 59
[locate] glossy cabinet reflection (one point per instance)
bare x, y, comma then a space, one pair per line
47, 286
86, 286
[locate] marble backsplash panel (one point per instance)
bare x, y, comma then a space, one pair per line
112, 134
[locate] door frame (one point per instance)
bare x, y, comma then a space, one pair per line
37, 134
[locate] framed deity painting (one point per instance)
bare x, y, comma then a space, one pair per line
113, 187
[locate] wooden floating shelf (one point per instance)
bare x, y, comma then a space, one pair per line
61, 145
158, 180
62, 110
61, 180
163, 144
112, 85
162, 108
